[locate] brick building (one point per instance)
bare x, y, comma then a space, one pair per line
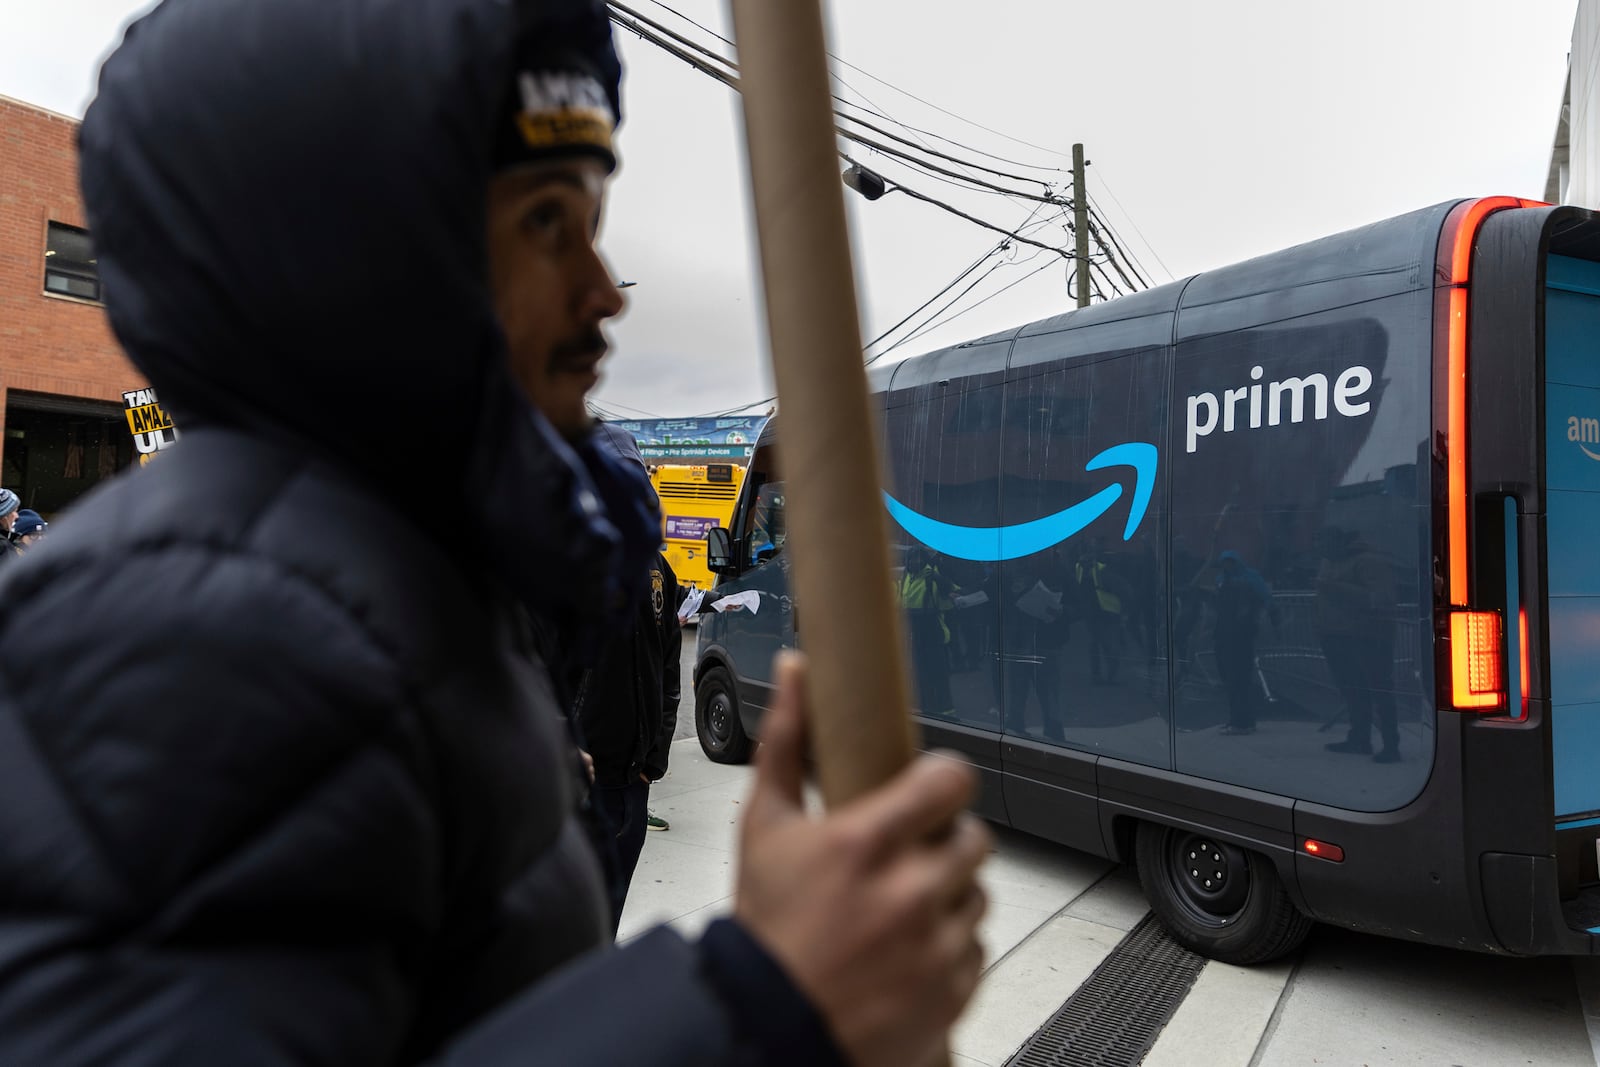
62, 374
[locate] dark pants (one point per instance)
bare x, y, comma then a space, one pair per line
624, 807
1362, 666
1040, 674
930, 663
1236, 666
1105, 644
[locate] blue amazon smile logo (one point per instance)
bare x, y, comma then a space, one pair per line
992, 543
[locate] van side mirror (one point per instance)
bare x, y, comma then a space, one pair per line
719, 551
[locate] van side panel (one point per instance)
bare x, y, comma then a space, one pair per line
1082, 662
1300, 549
1572, 480
942, 446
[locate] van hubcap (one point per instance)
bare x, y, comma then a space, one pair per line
1212, 878
719, 719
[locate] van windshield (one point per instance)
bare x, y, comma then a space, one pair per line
766, 531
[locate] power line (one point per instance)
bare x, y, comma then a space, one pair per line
1095, 268
1004, 245
1094, 217
953, 283
939, 109
874, 109
725, 70
945, 322
1107, 239
638, 24
692, 22
1101, 175
970, 218
731, 411
902, 92
931, 324
894, 153
632, 20
933, 321
1094, 231
942, 155
1141, 272
941, 137
596, 405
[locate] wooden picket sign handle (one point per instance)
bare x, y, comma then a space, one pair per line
833, 506
859, 704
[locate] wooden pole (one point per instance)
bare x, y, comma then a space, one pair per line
860, 710
1080, 224
838, 539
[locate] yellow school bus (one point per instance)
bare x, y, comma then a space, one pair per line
694, 498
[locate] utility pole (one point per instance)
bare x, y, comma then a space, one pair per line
1080, 223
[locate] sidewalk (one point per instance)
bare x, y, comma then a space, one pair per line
1055, 914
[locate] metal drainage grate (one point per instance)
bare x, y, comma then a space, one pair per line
1115, 1017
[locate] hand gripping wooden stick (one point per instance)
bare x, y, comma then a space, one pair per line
859, 707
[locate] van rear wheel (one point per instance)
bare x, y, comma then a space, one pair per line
1216, 899
716, 719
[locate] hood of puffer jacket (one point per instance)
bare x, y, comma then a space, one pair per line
288, 207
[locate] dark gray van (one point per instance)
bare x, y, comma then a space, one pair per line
1274, 580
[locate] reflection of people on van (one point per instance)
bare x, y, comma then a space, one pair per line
971, 623
1241, 597
924, 594
1191, 594
1035, 625
1141, 572
1355, 623
1103, 594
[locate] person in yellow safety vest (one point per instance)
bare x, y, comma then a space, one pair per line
925, 595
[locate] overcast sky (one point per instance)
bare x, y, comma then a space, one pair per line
1217, 131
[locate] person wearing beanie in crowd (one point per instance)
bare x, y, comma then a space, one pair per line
10, 505
28, 529
627, 705
279, 799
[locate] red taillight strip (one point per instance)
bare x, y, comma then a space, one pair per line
1522, 655
1455, 268
1456, 446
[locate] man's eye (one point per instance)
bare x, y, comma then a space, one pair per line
543, 217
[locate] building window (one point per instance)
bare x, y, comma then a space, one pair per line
69, 263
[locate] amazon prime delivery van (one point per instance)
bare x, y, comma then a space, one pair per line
1276, 581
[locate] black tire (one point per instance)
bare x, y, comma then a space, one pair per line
1215, 899
716, 719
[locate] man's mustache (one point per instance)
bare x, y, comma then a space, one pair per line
588, 346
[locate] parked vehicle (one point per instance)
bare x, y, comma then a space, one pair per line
1275, 580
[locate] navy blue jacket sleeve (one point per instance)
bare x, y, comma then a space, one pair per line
723, 1001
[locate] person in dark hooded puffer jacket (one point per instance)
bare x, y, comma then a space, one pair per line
283, 779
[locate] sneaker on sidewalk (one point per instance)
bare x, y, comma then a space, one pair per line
652, 821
